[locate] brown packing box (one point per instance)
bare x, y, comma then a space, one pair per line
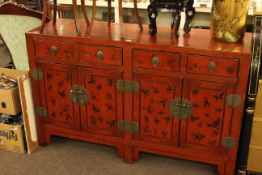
9, 101
27, 105
11, 138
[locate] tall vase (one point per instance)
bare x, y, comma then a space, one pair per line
228, 19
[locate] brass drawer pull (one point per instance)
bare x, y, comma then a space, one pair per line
211, 67
52, 50
155, 60
100, 55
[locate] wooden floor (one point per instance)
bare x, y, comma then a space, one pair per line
70, 157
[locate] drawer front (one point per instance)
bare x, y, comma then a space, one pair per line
215, 66
168, 61
256, 137
255, 159
54, 50
100, 54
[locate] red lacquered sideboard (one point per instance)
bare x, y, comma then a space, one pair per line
181, 98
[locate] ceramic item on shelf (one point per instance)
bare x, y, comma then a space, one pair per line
228, 19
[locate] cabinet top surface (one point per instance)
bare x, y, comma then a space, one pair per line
196, 39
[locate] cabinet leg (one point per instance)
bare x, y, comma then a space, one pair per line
221, 169
120, 151
128, 158
135, 155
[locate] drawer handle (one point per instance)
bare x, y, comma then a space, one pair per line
155, 61
211, 67
100, 55
52, 50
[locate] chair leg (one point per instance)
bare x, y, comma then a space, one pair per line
137, 15
109, 12
44, 16
83, 6
121, 18
93, 17
55, 12
76, 18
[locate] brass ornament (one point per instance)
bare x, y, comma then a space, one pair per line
233, 100
127, 86
228, 19
78, 95
41, 111
180, 108
228, 142
37, 75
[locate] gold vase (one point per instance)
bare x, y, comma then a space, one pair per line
228, 19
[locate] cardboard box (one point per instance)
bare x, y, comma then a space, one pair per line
10, 101
11, 138
27, 104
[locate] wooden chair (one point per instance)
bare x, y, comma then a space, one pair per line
120, 15
63, 11
74, 9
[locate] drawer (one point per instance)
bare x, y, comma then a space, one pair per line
254, 159
256, 137
168, 61
209, 65
100, 54
54, 50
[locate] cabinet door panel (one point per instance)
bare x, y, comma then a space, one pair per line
105, 102
151, 109
55, 94
211, 116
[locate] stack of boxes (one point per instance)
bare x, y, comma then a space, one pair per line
11, 123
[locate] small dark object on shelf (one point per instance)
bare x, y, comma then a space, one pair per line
174, 6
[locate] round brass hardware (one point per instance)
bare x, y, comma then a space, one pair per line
211, 67
52, 50
100, 55
155, 60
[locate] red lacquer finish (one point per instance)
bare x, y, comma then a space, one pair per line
194, 67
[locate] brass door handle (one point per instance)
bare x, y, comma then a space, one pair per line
211, 67
155, 61
52, 50
100, 55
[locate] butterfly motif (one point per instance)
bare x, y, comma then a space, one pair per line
193, 118
146, 118
62, 94
219, 96
194, 91
99, 86
91, 80
61, 83
95, 109
108, 96
206, 103
163, 102
156, 120
145, 92
167, 119
214, 124
110, 82
169, 88
49, 76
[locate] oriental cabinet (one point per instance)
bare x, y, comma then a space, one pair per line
175, 97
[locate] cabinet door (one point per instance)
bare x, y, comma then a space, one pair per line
151, 109
55, 95
105, 102
211, 116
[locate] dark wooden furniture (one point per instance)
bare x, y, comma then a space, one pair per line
255, 74
174, 97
